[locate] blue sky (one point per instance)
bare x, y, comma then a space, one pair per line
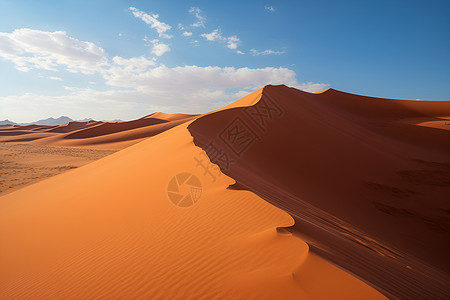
126, 59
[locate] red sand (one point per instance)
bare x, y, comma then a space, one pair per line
355, 172
366, 187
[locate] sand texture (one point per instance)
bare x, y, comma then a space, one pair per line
282, 194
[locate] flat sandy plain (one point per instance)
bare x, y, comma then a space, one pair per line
24, 164
29, 154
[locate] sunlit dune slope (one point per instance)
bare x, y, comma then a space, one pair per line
109, 230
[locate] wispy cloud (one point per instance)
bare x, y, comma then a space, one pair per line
215, 36
200, 18
255, 52
153, 21
187, 33
52, 77
269, 8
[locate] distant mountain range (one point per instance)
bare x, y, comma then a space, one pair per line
48, 121
7, 122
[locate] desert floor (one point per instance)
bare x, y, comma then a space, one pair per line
24, 164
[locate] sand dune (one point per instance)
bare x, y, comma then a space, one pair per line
366, 181
110, 229
116, 135
168, 117
26, 133
94, 134
72, 126
355, 172
31, 127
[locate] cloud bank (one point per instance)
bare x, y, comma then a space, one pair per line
133, 82
35, 49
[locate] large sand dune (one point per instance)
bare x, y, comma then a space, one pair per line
366, 181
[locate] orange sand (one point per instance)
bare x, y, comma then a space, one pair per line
109, 231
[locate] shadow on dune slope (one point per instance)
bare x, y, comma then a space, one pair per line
367, 184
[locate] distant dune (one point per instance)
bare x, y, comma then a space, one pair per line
97, 134
304, 179
72, 126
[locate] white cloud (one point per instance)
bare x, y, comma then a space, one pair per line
232, 42
133, 82
312, 87
255, 52
72, 88
189, 89
200, 19
159, 48
35, 49
51, 77
153, 21
131, 65
192, 78
239, 52
119, 34
269, 8
216, 35
135, 91
187, 33
76, 103
196, 89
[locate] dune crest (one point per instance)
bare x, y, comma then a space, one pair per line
366, 182
110, 230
